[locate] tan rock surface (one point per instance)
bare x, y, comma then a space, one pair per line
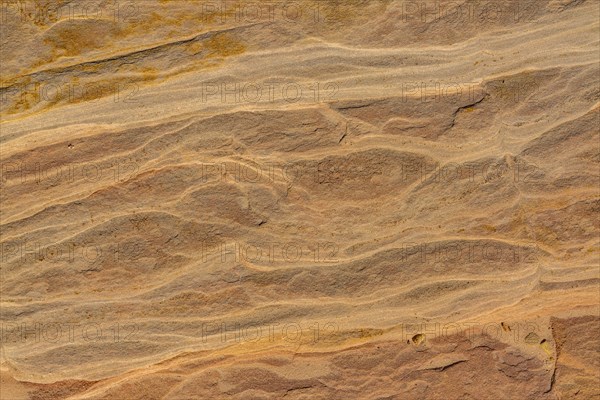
305, 200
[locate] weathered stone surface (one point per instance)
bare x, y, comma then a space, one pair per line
304, 200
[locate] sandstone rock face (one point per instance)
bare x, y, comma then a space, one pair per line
326, 199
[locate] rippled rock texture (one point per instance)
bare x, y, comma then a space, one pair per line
377, 199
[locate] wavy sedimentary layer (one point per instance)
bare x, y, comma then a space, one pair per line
316, 199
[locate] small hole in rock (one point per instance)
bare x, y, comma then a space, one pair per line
418, 339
